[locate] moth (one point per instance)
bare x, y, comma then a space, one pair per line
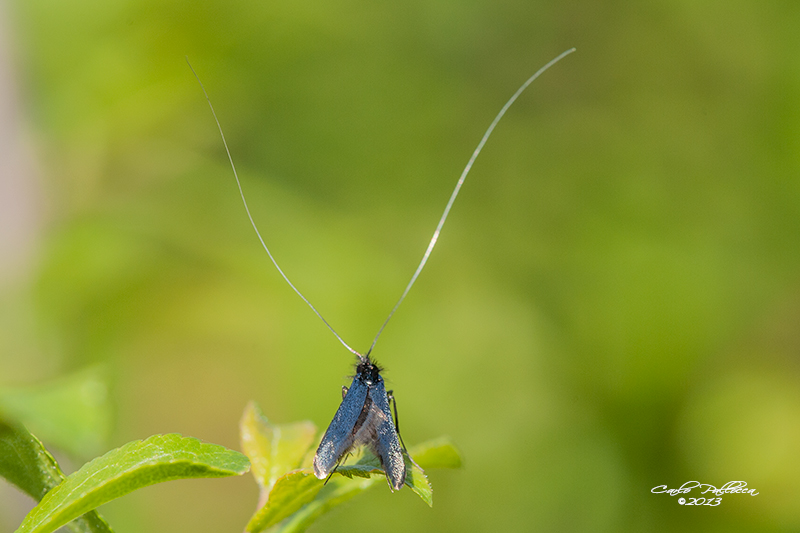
364, 417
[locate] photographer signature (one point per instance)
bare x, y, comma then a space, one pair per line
731, 487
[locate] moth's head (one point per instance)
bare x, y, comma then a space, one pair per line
368, 370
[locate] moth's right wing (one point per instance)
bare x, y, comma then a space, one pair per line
339, 437
386, 444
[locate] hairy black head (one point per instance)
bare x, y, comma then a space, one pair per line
368, 371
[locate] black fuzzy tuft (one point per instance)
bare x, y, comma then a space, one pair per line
368, 371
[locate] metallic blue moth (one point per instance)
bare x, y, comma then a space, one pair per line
363, 418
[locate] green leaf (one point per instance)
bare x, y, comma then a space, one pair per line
359, 469
125, 469
90, 522
71, 413
273, 449
334, 494
369, 465
289, 494
437, 453
26, 463
418, 482
366, 473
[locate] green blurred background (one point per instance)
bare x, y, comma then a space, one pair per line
614, 303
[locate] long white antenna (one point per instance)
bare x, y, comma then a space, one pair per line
436, 233
458, 188
253, 223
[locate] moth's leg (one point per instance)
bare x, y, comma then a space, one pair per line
390, 394
339, 462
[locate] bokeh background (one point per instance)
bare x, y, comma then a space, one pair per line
613, 305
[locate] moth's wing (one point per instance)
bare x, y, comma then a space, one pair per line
387, 444
339, 437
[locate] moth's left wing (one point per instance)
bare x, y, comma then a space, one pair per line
339, 437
